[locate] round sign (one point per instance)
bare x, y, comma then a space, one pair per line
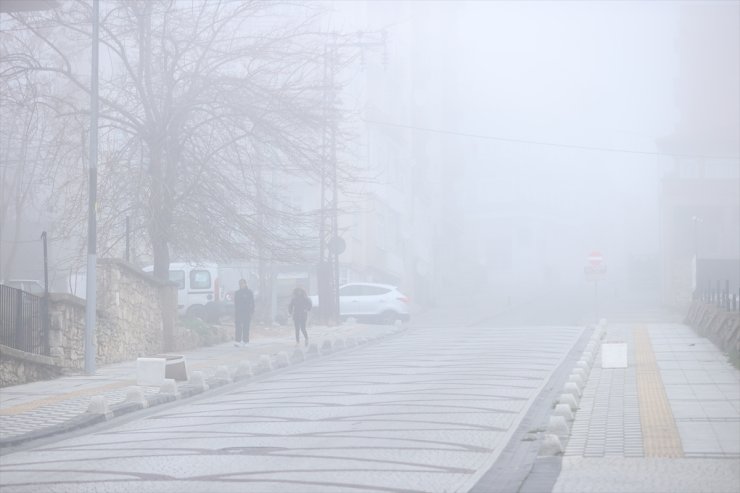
337, 245
595, 258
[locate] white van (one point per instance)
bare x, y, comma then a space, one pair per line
197, 288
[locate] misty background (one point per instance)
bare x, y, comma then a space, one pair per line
492, 147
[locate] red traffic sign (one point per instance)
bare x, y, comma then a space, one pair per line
595, 258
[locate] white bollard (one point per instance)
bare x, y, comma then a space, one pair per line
338, 344
312, 351
264, 364
222, 373
136, 395
572, 388
297, 356
350, 342
551, 446
280, 360
198, 380
326, 347
243, 371
169, 387
558, 425
98, 405
578, 380
568, 399
565, 411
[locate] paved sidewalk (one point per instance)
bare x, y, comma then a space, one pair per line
669, 422
43, 408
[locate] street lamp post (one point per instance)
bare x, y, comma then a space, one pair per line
92, 198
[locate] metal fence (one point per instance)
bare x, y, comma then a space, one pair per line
23, 320
720, 296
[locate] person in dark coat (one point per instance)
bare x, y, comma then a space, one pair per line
299, 307
243, 310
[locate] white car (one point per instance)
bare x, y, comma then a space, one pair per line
362, 300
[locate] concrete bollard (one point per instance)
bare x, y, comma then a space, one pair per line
578, 380
338, 344
312, 351
583, 364
280, 360
551, 446
136, 395
362, 340
564, 411
326, 347
350, 342
297, 356
588, 357
222, 373
263, 365
581, 372
169, 387
98, 405
572, 388
568, 399
558, 425
243, 371
198, 380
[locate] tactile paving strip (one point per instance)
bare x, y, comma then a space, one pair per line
659, 431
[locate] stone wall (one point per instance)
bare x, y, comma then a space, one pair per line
136, 316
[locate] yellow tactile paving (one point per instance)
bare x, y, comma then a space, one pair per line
659, 432
30, 406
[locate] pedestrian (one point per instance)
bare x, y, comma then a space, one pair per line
243, 310
299, 307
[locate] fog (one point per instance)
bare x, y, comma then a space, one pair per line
498, 146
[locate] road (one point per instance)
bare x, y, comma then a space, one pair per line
429, 409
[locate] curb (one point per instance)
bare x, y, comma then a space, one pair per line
192, 388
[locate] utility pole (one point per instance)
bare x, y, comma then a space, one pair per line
93, 187
330, 243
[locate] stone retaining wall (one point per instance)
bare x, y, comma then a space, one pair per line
720, 326
136, 316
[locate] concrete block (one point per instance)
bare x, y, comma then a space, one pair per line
614, 355
570, 400
551, 446
578, 380
558, 425
243, 371
222, 373
572, 388
98, 405
581, 372
280, 360
150, 371
584, 365
298, 356
565, 411
326, 347
198, 380
338, 344
136, 395
362, 340
350, 342
263, 365
588, 357
312, 351
169, 387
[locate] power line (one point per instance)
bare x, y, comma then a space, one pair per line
537, 142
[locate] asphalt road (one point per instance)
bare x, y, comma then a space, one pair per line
430, 409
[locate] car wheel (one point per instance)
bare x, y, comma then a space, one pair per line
388, 317
196, 311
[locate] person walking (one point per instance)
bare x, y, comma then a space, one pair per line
243, 310
299, 307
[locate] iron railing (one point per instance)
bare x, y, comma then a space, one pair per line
23, 320
720, 296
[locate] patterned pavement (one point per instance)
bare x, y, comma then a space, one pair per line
427, 410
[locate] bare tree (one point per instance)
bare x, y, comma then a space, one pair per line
197, 99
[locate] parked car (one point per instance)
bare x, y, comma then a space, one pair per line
378, 302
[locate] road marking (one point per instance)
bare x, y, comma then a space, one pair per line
659, 432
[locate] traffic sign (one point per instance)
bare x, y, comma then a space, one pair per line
595, 258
